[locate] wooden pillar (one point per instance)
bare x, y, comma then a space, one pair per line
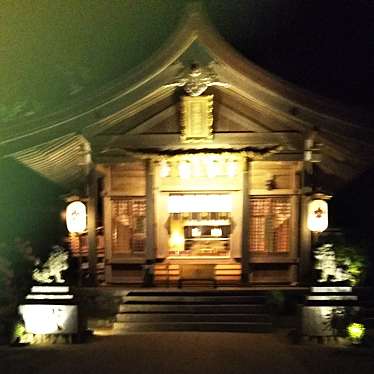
305, 268
295, 238
150, 230
150, 224
245, 223
91, 224
305, 244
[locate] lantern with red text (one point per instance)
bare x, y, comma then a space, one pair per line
318, 219
76, 217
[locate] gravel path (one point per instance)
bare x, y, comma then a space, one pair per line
169, 353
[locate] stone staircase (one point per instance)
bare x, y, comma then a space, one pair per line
193, 310
340, 301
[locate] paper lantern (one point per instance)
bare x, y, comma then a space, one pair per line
318, 220
232, 168
76, 217
165, 169
213, 168
185, 169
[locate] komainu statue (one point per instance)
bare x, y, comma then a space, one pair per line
326, 263
51, 270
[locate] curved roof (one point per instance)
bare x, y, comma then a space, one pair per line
57, 137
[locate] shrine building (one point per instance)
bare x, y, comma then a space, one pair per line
200, 165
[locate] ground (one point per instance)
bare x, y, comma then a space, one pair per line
187, 352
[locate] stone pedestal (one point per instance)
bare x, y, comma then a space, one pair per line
327, 310
50, 314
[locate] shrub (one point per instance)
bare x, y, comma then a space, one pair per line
16, 265
353, 260
351, 254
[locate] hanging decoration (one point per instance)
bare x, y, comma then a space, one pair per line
318, 220
76, 217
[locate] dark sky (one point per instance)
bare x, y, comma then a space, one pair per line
324, 46
54, 52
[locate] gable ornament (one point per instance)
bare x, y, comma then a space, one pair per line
196, 79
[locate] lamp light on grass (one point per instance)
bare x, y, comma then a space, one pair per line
356, 332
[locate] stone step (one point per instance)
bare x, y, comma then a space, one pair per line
197, 292
123, 327
331, 289
193, 308
347, 303
192, 299
330, 297
189, 317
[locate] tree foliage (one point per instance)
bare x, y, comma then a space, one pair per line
16, 266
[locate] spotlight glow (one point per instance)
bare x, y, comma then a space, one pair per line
356, 332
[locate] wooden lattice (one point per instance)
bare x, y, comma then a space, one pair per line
128, 225
270, 224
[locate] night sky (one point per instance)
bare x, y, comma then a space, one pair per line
55, 52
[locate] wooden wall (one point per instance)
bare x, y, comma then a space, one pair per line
129, 179
285, 181
283, 174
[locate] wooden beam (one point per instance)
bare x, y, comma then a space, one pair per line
158, 118
251, 107
240, 119
125, 113
344, 170
118, 157
273, 259
292, 140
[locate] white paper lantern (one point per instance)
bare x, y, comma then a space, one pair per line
185, 169
213, 168
165, 169
232, 168
76, 217
318, 219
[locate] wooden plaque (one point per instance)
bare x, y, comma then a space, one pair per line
197, 118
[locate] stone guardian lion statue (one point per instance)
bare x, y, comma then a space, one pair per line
51, 270
326, 263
